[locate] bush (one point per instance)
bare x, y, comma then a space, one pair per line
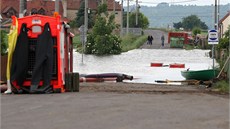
101, 41
224, 42
196, 31
103, 44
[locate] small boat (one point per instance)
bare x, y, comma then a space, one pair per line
199, 74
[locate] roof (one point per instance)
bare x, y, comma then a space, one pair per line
48, 6
7, 4
111, 6
227, 15
75, 4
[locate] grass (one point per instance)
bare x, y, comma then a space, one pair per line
188, 47
222, 86
162, 29
130, 42
76, 41
77, 44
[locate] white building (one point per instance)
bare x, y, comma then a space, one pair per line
224, 23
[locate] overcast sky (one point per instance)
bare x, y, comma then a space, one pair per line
182, 2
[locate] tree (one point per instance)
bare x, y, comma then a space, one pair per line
190, 22
143, 21
79, 20
196, 31
177, 25
224, 42
101, 41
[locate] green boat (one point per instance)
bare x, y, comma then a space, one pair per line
199, 74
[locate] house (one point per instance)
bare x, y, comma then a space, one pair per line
74, 5
224, 23
9, 8
44, 7
67, 8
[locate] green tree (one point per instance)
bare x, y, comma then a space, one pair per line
79, 20
101, 41
177, 25
190, 22
143, 21
196, 31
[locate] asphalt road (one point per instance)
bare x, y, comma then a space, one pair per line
156, 34
117, 106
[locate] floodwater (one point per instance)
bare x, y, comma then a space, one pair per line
137, 63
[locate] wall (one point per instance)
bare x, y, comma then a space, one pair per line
226, 23
71, 14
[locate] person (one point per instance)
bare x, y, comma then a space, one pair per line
162, 40
196, 41
151, 40
148, 39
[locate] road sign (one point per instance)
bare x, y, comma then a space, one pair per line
213, 37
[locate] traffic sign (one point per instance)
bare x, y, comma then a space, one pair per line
213, 37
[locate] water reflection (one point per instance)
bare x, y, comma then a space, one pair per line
137, 63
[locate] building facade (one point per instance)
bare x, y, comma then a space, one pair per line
67, 8
224, 23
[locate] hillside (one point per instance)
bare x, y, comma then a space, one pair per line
165, 16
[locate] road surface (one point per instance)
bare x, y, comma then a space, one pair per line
157, 40
118, 106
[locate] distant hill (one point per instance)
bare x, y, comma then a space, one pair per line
165, 16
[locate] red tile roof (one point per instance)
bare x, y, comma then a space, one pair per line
75, 4
227, 15
111, 6
6, 4
48, 6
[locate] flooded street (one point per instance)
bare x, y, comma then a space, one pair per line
137, 63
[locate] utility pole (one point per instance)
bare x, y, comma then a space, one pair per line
57, 6
64, 4
215, 15
86, 17
127, 24
218, 11
137, 12
21, 8
114, 6
216, 28
85, 28
121, 17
